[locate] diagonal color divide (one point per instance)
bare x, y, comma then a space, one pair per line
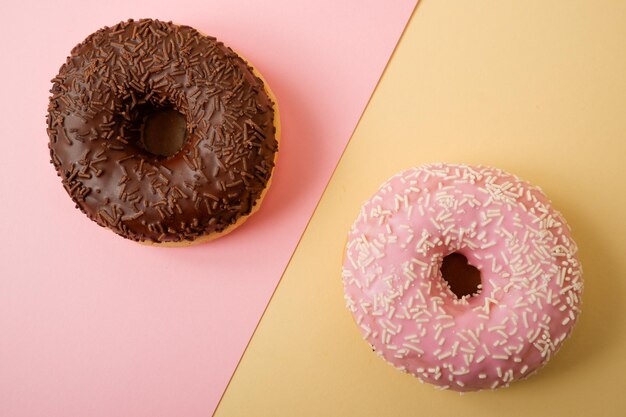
536, 90
94, 325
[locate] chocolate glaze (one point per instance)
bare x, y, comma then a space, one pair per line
109, 86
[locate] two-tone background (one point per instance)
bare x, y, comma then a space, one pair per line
254, 324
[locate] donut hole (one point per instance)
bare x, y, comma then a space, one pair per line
163, 131
462, 278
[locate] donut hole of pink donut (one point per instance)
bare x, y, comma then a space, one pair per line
463, 279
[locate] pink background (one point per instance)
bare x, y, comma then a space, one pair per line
93, 325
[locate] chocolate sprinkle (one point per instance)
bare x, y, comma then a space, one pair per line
103, 93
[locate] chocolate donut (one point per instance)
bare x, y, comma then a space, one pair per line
162, 134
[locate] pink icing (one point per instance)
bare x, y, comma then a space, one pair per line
508, 229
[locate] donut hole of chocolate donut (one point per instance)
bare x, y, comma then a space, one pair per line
163, 131
462, 278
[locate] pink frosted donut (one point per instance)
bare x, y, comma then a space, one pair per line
531, 279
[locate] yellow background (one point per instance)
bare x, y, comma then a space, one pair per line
537, 88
